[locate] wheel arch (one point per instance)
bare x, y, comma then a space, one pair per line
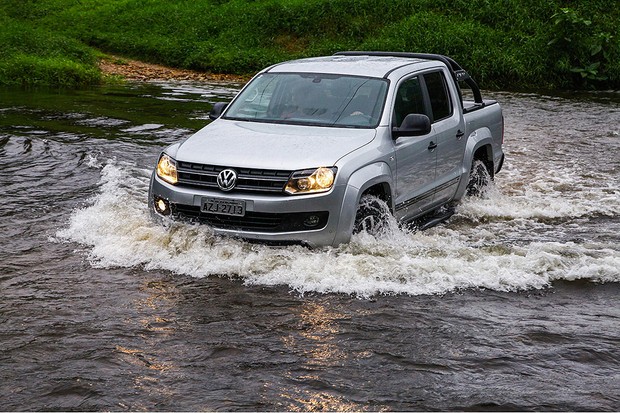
381, 190
479, 146
485, 154
375, 179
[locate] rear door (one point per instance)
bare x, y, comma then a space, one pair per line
449, 132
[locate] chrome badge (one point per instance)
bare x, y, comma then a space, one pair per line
227, 179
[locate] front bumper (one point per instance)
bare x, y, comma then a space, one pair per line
277, 218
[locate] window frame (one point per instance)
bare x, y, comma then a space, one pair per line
427, 96
426, 99
425, 103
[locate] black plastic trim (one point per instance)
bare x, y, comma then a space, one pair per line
253, 221
427, 194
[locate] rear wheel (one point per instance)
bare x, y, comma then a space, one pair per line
372, 215
479, 178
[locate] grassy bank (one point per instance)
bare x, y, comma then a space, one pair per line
508, 44
33, 55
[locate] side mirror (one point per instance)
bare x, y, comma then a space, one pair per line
413, 125
217, 109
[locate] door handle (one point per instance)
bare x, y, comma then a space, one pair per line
459, 134
432, 146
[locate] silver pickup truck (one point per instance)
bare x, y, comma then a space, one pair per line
310, 150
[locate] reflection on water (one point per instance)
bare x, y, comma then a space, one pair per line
308, 401
317, 338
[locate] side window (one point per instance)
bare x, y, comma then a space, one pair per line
409, 99
439, 96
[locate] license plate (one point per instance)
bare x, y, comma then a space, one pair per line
223, 206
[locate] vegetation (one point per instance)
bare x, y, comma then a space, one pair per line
30, 55
503, 44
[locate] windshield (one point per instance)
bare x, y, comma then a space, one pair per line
311, 99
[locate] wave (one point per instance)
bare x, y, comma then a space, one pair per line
117, 229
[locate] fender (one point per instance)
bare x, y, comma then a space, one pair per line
358, 183
476, 140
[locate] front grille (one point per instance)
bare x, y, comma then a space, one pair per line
254, 180
252, 221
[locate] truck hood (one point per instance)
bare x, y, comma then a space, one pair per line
270, 146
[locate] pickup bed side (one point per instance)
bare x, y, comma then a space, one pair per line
484, 142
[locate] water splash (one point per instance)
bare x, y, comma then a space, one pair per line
118, 231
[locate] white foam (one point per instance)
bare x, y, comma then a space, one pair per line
541, 195
143, 128
92, 161
118, 231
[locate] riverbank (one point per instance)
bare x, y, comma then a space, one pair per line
131, 69
513, 44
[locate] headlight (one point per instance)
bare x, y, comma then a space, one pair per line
311, 181
167, 169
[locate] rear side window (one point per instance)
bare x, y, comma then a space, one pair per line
441, 105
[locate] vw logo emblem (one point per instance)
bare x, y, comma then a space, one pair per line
227, 179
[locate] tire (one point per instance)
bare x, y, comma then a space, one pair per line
479, 178
372, 215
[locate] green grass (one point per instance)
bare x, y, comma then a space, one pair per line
32, 55
504, 44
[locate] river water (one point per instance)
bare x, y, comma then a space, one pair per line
513, 304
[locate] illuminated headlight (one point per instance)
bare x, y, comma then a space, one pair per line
311, 181
167, 169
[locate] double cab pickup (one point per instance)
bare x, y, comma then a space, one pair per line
307, 147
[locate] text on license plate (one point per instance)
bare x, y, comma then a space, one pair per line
223, 206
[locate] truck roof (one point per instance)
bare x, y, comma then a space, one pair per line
377, 64
362, 65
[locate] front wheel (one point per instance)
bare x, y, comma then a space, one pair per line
479, 178
372, 215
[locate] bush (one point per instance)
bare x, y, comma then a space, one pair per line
581, 48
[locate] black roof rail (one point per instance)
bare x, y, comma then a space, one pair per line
458, 73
